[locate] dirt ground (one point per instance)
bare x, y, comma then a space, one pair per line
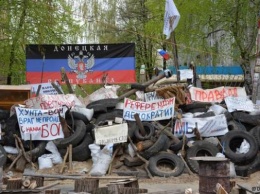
155, 184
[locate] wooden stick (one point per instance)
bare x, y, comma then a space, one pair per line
143, 159
23, 152
18, 156
113, 156
59, 176
66, 79
139, 124
48, 186
64, 160
70, 157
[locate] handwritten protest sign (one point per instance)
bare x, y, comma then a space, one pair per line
39, 124
239, 103
53, 101
208, 127
215, 94
151, 96
149, 111
46, 88
111, 134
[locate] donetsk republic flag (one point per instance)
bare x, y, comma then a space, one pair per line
84, 64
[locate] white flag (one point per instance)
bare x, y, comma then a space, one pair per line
171, 18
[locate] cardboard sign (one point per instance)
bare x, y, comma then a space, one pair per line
111, 134
39, 124
186, 74
53, 101
149, 111
151, 96
46, 88
208, 127
216, 94
239, 103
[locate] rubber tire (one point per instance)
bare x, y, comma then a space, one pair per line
196, 105
149, 129
108, 103
109, 116
38, 150
166, 158
12, 127
232, 138
234, 125
245, 170
80, 152
3, 156
178, 146
4, 114
255, 132
199, 148
161, 144
130, 162
76, 116
246, 118
75, 138
138, 86
206, 114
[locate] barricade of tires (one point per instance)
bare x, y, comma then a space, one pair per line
160, 149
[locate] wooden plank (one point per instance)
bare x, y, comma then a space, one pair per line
249, 188
74, 177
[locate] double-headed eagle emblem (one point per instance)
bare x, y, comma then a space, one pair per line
81, 64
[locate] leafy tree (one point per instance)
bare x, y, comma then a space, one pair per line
32, 22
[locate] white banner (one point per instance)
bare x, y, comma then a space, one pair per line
239, 103
53, 101
208, 127
216, 94
151, 96
149, 111
111, 134
39, 124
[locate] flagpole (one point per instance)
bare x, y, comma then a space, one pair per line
175, 55
164, 60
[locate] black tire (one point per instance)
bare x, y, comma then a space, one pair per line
197, 105
255, 132
232, 140
228, 116
234, 125
245, 170
206, 114
246, 118
109, 116
135, 161
4, 114
12, 127
149, 129
131, 128
178, 146
108, 103
161, 144
199, 148
80, 152
175, 165
98, 109
3, 156
75, 138
38, 150
138, 86
76, 116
